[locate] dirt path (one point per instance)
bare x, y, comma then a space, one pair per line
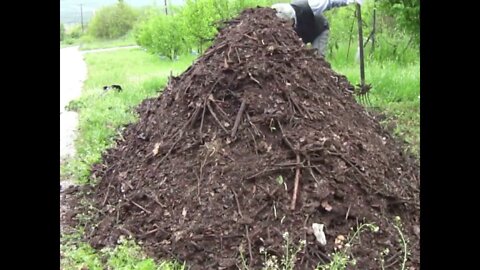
73, 71
110, 49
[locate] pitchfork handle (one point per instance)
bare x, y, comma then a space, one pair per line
360, 45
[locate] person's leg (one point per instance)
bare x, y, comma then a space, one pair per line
321, 42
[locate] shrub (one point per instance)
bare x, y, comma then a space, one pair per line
113, 21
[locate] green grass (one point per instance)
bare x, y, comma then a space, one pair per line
100, 116
127, 255
90, 43
395, 92
342, 258
87, 42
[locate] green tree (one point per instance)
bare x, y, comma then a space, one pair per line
195, 25
164, 35
113, 21
200, 16
405, 12
392, 37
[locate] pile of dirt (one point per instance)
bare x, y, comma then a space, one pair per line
210, 168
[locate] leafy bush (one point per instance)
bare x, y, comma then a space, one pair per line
405, 12
163, 35
113, 21
75, 32
192, 26
202, 17
393, 41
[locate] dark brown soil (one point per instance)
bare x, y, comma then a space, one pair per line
190, 184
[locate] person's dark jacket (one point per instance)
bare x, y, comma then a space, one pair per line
308, 26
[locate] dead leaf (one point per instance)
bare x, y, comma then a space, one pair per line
416, 230
165, 242
326, 206
339, 241
319, 234
155, 149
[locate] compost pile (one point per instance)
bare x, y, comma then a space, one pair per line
207, 175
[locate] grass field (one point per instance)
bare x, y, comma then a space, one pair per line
89, 43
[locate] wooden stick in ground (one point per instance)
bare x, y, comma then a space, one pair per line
106, 196
215, 117
141, 207
246, 227
170, 150
201, 122
239, 117
297, 179
249, 246
350, 39
374, 28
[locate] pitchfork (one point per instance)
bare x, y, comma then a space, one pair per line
363, 89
